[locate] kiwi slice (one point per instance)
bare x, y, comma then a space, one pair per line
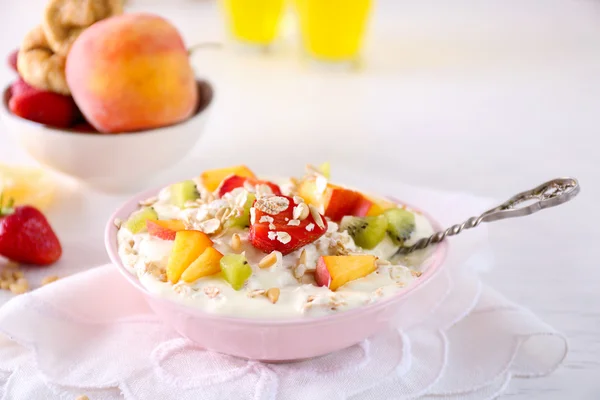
367, 232
401, 224
137, 221
183, 192
242, 221
235, 269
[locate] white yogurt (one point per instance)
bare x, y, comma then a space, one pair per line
146, 256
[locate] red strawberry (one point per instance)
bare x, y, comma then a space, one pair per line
47, 108
12, 60
299, 235
236, 181
27, 237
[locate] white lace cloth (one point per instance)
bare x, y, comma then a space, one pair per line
93, 334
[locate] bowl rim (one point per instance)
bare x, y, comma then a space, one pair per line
204, 86
435, 264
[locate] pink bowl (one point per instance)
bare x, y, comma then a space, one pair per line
267, 339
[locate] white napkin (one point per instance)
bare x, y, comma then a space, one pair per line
93, 334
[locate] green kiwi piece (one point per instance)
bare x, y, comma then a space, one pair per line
137, 221
242, 221
401, 225
182, 192
235, 269
367, 232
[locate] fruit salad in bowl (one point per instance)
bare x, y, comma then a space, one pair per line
98, 88
271, 269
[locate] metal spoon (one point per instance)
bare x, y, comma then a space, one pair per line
546, 195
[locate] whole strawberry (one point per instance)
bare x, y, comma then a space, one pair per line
26, 236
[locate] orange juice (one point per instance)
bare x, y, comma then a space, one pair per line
254, 21
333, 30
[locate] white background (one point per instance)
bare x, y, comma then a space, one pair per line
486, 97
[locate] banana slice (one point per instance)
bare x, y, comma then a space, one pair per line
39, 66
64, 20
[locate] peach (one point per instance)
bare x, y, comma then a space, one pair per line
187, 247
336, 271
209, 263
211, 179
337, 201
370, 207
131, 72
164, 229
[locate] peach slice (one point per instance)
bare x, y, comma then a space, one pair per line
187, 247
337, 201
336, 271
211, 179
207, 264
370, 207
164, 229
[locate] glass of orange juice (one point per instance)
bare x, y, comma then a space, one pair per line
333, 30
254, 22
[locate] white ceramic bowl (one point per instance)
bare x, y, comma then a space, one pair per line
109, 161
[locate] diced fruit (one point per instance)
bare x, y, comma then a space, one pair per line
137, 221
367, 232
26, 236
46, 108
340, 202
337, 201
105, 65
336, 271
187, 247
369, 207
307, 189
230, 183
284, 237
325, 169
12, 60
401, 224
164, 229
236, 181
236, 270
211, 179
242, 221
207, 264
182, 192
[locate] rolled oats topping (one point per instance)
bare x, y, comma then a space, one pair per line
284, 237
211, 292
301, 211
266, 218
272, 205
210, 226
317, 217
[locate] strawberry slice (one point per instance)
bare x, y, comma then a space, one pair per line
12, 60
271, 232
26, 236
47, 108
236, 181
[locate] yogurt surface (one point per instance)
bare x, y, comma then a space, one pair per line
147, 257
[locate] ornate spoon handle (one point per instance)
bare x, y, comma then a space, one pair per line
546, 195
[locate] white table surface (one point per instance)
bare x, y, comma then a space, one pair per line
487, 97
